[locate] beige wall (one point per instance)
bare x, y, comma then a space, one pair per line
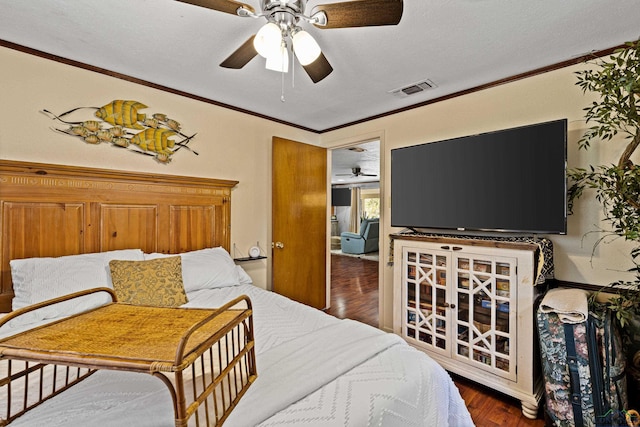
231, 145
545, 97
236, 146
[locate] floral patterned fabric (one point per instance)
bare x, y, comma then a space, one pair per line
613, 364
156, 282
553, 349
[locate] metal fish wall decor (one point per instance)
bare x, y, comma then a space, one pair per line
121, 124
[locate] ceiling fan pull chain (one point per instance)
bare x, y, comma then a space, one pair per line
282, 87
285, 66
293, 69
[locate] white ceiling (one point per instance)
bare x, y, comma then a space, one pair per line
457, 44
365, 155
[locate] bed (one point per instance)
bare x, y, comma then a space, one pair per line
312, 368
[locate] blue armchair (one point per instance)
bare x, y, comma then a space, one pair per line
366, 241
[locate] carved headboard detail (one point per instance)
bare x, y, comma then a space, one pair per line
54, 210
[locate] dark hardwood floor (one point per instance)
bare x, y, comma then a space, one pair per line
354, 295
354, 289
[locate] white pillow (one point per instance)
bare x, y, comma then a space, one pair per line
243, 277
205, 268
40, 279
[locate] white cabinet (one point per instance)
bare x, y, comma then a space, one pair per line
470, 305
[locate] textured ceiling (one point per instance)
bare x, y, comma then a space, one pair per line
365, 155
457, 44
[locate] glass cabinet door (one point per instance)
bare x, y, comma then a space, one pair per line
485, 323
426, 308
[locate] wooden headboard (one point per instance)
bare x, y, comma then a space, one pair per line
53, 210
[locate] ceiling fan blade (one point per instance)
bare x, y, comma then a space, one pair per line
227, 6
241, 56
360, 13
318, 69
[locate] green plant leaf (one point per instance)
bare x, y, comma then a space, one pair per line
616, 187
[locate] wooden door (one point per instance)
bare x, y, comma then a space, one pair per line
299, 215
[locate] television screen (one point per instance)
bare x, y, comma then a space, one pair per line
340, 197
511, 180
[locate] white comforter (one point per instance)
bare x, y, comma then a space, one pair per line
313, 370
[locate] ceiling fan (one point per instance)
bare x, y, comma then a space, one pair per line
355, 172
283, 17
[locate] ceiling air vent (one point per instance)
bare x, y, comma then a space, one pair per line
356, 149
413, 88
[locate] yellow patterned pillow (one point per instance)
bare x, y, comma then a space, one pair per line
156, 282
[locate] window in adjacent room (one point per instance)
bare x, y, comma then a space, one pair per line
370, 202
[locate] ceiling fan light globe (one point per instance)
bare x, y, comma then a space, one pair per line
267, 40
279, 60
305, 47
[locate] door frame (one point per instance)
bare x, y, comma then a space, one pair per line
383, 299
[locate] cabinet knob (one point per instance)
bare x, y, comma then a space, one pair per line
279, 245
449, 305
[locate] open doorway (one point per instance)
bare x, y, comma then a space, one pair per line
355, 230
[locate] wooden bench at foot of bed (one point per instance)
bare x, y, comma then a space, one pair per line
211, 350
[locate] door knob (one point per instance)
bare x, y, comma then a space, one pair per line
279, 245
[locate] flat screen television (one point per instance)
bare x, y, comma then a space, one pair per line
340, 197
511, 180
